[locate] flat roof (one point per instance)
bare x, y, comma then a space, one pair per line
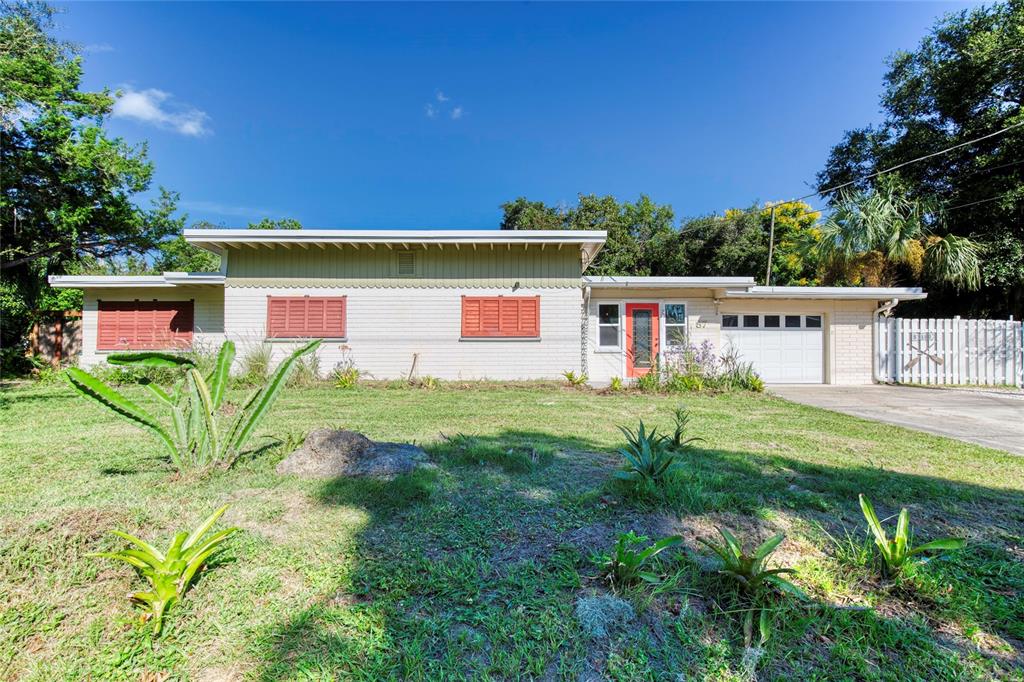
848, 293
163, 281
617, 282
218, 240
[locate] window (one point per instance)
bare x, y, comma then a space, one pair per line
730, 320
675, 324
812, 321
406, 263
792, 321
144, 325
608, 325
750, 320
500, 317
306, 317
771, 320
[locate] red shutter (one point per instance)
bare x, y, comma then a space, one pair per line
144, 325
305, 317
500, 316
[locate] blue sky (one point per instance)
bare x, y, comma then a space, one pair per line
432, 115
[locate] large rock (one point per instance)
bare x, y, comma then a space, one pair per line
330, 453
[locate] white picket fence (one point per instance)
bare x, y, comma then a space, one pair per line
956, 351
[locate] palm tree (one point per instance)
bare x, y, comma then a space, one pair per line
870, 234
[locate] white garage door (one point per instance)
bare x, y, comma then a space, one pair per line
785, 349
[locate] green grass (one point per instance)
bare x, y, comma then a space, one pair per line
472, 569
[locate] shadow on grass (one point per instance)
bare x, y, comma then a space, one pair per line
406, 609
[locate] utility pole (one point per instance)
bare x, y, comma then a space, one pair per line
771, 249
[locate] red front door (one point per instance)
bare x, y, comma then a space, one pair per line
641, 338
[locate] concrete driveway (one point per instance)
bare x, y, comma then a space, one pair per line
991, 418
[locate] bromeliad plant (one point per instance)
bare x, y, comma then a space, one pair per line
626, 566
754, 578
680, 442
170, 573
897, 553
648, 457
195, 440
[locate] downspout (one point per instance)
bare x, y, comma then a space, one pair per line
584, 329
876, 321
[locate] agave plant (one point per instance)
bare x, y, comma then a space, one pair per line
897, 553
625, 565
194, 439
170, 573
753, 577
648, 457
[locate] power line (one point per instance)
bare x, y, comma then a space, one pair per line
975, 203
902, 165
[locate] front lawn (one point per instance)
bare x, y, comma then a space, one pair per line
473, 569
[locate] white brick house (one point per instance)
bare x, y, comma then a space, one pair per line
475, 304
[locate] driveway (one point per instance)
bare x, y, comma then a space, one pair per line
991, 418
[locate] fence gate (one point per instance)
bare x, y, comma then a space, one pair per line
956, 351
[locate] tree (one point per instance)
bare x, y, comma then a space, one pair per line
283, 224
637, 232
964, 80
67, 187
883, 238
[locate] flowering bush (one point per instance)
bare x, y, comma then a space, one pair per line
687, 367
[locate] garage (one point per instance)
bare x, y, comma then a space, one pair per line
784, 349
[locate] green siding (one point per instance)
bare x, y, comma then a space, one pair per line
435, 267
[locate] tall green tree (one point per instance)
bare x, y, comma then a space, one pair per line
963, 81
67, 188
282, 224
637, 232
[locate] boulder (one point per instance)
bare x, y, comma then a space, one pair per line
331, 453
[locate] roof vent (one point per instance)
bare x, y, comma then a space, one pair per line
406, 263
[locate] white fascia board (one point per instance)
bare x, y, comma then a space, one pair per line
834, 293
215, 236
612, 282
164, 281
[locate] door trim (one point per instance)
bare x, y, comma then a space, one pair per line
655, 309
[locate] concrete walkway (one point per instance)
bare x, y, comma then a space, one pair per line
991, 418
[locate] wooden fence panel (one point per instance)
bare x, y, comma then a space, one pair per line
951, 351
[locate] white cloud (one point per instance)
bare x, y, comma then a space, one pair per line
442, 106
156, 107
94, 48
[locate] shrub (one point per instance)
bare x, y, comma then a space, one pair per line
684, 383
625, 566
170, 573
650, 382
753, 578
307, 372
194, 440
648, 458
616, 384
255, 364
696, 368
575, 380
898, 554
345, 377
681, 417
428, 382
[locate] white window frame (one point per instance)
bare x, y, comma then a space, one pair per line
663, 313
782, 321
617, 348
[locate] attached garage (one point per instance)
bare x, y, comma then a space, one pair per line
784, 348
